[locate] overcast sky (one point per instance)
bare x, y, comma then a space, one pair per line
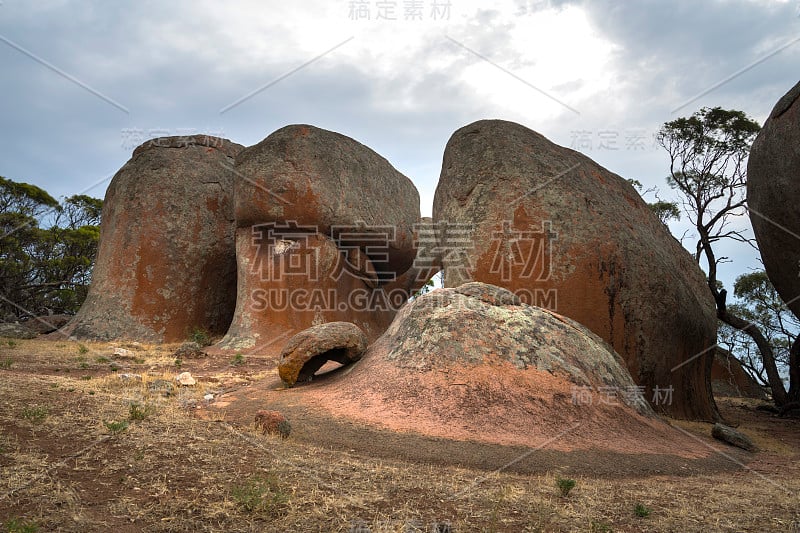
83, 83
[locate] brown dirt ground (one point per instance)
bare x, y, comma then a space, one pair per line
192, 465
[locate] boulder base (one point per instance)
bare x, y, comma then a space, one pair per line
17, 331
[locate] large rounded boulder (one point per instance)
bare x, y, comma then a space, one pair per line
322, 179
560, 231
325, 233
773, 196
475, 363
166, 262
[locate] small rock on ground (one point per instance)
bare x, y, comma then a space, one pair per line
273, 423
733, 437
189, 350
125, 354
161, 386
185, 379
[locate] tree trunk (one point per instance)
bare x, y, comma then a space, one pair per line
779, 395
794, 371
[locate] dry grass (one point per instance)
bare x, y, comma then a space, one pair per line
171, 471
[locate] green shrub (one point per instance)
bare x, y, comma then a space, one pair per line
117, 427
138, 412
641, 511
15, 525
259, 495
200, 336
284, 429
35, 414
565, 485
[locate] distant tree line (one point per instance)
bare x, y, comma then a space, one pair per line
47, 250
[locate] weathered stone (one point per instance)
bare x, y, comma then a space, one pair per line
324, 231
186, 379
471, 361
123, 353
773, 196
17, 331
272, 423
189, 350
562, 232
166, 262
287, 286
47, 323
324, 180
309, 350
478, 323
161, 386
733, 437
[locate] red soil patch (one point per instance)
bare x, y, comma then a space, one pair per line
485, 416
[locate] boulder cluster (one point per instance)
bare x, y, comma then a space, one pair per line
306, 227
308, 247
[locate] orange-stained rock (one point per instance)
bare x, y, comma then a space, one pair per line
325, 232
290, 281
309, 350
272, 423
478, 324
314, 177
562, 232
166, 262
